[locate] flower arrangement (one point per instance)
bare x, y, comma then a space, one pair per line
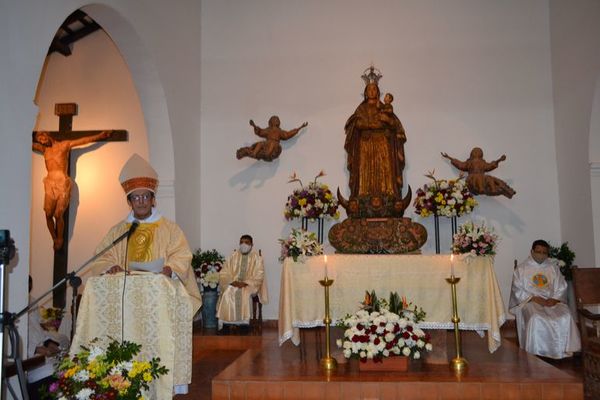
376, 332
475, 239
312, 201
113, 372
448, 198
300, 244
207, 265
51, 317
565, 257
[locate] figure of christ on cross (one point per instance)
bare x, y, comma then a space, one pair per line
58, 183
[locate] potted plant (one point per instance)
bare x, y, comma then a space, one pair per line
477, 240
99, 371
375, 333
565, 257
299, 245
207, 265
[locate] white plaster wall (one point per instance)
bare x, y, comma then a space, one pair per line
575, 50
595, 168
98, 80
463, 73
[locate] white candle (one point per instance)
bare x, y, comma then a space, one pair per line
452, 265
325, 258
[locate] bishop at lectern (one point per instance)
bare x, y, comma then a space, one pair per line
154, 310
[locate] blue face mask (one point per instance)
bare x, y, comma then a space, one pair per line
245, 248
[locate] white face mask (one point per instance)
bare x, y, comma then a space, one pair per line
245, 248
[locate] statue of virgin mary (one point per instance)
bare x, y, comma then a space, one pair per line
375, 147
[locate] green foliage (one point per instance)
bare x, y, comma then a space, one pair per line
207, 256
396, 304
566, 255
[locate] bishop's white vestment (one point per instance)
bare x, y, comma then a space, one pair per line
545, 331
235, 304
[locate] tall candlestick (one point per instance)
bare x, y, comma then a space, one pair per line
452, 265
325, 258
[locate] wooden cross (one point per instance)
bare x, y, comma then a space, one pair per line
56, 147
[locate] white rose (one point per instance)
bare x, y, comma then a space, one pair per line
362, 354
347, 353
389, 337
420, 343
428, 347
406, 351
339, 342
347, 345
416, 355
386, 353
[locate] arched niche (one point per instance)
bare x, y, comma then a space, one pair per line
152, 140
152, 98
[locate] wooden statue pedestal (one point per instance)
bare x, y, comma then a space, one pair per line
377, 236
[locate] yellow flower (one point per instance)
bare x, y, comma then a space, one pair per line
328, 196
302, 202
71, 371
147, 376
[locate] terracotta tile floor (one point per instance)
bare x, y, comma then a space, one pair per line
256, 374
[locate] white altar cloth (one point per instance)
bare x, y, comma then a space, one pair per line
421, 278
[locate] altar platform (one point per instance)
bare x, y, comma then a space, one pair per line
265, 370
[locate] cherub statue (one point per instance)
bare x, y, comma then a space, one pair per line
270, 148
477, 181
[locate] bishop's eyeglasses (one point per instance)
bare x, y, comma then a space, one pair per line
139, 198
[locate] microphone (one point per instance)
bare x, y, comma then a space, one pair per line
134, 226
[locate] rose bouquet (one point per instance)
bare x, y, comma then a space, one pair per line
299, 245
111, 372
312, 201
376, 332
475, 239
207, 265
448, 198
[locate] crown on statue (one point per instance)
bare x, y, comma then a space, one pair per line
372, 76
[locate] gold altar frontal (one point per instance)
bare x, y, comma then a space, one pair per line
158, 314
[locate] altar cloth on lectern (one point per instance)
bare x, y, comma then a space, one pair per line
158, 314
421, 278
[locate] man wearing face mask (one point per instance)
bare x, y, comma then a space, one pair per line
545, 325
241, 277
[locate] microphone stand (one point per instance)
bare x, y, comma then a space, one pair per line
8, 319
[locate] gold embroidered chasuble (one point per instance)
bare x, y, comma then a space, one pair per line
159, 312
235, 304
150, 241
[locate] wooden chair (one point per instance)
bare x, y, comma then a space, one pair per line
586, 282
256, 320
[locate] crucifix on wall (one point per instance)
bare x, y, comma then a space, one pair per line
56, 147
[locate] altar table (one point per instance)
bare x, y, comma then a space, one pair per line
158, 315
421, 278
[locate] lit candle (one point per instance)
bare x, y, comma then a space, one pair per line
452, 264
325, 258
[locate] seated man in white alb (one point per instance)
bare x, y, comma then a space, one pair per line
242, 277
545, 325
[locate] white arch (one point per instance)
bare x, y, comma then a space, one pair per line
594, 157
152, 98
